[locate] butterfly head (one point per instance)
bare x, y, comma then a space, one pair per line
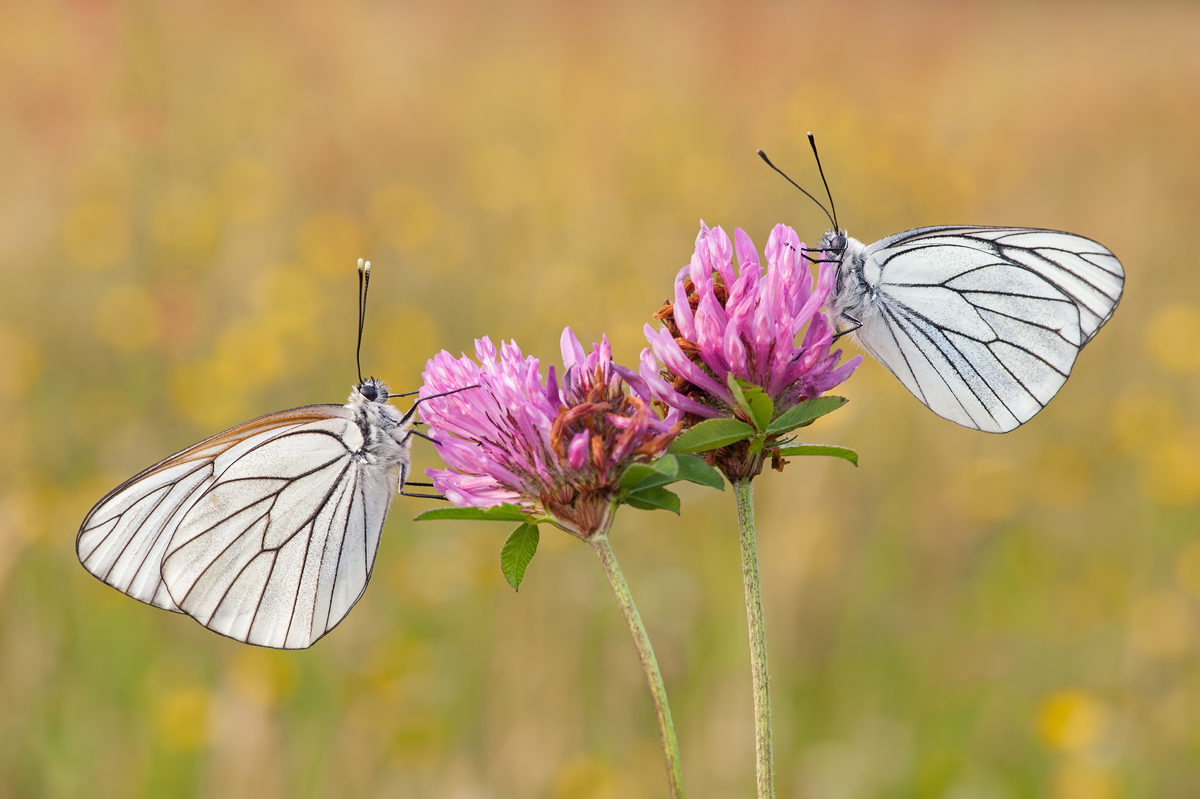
371, 390
834, 241
833, 246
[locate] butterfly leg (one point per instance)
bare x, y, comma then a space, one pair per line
818, 259
840, 333
424, 496
821, 259
413, 410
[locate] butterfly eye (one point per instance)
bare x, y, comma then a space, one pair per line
368, 391
838, 243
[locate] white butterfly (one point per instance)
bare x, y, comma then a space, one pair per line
981, 324
265, 533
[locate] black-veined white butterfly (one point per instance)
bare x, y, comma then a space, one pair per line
981, 324
265, 533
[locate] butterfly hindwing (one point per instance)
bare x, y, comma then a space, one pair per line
983, 324
277, 551
235, 530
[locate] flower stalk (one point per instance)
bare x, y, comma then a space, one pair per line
568, 454
746, 356
743, 491
658, 691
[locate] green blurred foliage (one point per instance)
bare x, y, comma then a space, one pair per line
186, 188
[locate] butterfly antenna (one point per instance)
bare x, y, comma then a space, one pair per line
763, 156
364, 280
812, 142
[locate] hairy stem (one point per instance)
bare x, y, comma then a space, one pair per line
744, 492
658, 692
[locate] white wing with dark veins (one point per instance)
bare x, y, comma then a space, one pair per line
983, 324
266, 533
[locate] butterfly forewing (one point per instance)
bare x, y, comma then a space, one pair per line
1084, 270
983, 324
280, 548
127, 535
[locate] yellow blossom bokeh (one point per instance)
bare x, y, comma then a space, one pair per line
1172, 335
1073, 721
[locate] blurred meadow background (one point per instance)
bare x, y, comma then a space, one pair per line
185, 187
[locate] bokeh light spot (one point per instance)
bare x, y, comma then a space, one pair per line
20, 364
198, 395
433, 573
250, 192
331, 243
245, 358
1073, 721
290, 298
403, 216
247, 354
185, 220
988, 490
1161, 625
1078, 779
127, 318
96, 235
1187, 569
584, 777
1172, 337
182, 718
498, 177
1171, 471
409, 339
1063, 478
1141, 417
264, 677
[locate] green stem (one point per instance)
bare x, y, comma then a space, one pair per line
658, 692
744, 492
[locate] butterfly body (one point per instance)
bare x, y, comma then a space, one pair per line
265, 533
982, 324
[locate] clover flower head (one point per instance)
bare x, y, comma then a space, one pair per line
554, 450
744, 322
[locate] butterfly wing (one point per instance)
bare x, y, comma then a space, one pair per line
124, 537
280, 548
983, 324
265, 533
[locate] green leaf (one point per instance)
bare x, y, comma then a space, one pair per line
753, 400
654, 499
518, 550
805, 413
657, 472
761, 407
710, 434
499, 513
739, 397
845, 453
756, 444
695, 470
669, 469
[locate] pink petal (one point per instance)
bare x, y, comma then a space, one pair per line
668, 352
720, 255
734, 353
746, 254
577, 451
683, 307
572, 350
